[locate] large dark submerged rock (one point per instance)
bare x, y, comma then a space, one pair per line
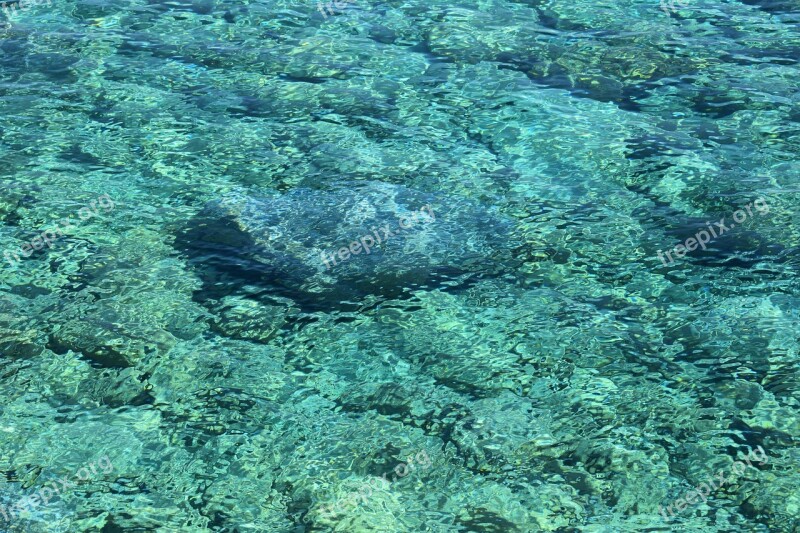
274, 246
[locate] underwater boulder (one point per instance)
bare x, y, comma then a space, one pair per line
19, 335
332, 248
107, 337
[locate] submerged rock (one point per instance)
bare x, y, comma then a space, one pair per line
108, 337
332, 248
19, 336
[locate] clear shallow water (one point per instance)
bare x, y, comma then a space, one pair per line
530, 342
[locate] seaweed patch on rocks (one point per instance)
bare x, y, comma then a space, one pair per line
274, 246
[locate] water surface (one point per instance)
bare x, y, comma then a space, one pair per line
525, 362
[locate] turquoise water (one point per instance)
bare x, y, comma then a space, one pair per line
420, 266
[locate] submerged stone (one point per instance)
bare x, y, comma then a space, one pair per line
333, 248
110, 337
